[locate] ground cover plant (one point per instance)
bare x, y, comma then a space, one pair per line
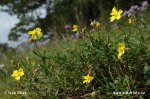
111, 59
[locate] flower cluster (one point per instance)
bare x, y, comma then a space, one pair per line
135, 9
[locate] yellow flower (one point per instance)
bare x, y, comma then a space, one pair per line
87, 79
35, 34
95, 24
18, 73
121, 50
75, 28
131, 19
115, 14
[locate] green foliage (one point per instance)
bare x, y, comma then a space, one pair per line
56, 70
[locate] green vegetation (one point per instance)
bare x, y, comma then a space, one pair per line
56, 70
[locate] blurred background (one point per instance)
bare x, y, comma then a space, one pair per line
52, 16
